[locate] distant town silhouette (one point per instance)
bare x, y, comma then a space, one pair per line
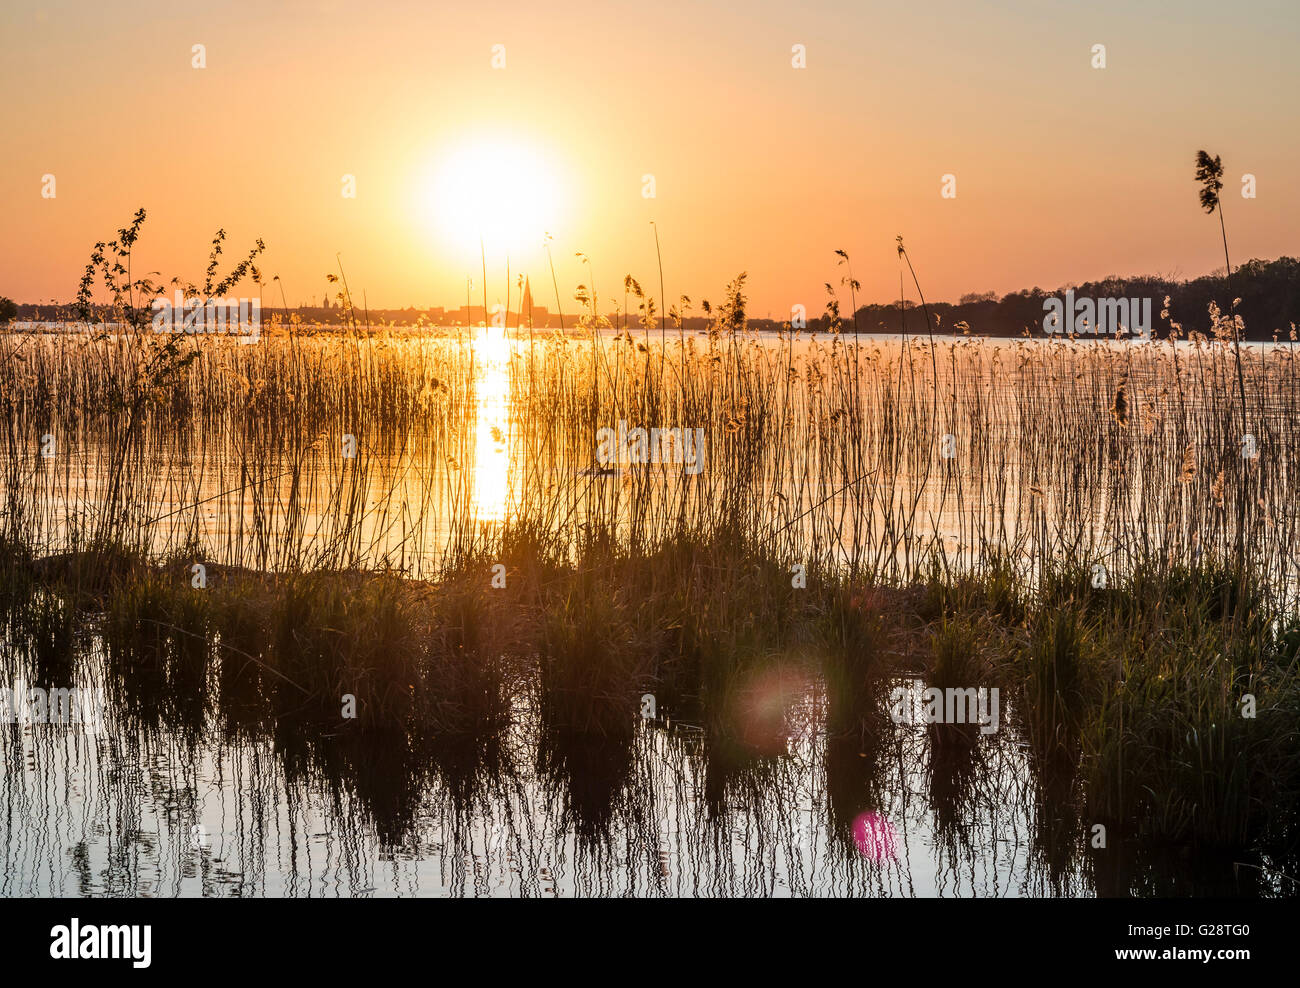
1269, 293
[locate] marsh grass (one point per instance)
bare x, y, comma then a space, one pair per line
372, 576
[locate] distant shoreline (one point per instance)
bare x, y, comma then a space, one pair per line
1269, 292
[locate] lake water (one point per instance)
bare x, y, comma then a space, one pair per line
177, 792
182, 792
133, 815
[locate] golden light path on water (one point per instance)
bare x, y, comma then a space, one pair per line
491, 491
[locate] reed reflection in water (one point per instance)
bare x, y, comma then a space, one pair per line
500, 751
203, 799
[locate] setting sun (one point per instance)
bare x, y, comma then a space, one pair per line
503, 193
564, 450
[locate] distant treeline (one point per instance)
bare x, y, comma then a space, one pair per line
1269, 293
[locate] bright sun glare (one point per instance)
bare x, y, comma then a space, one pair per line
503, 192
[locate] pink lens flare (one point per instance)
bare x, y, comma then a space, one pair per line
874, 837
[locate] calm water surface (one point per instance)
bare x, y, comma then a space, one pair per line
180, 793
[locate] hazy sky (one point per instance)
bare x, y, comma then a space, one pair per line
1064, 172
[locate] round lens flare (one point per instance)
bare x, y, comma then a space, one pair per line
502, 194
875, 837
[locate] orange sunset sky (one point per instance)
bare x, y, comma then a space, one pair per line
1064, 172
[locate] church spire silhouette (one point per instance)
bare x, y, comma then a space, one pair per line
526, 303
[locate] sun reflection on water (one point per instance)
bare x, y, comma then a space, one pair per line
492, 423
